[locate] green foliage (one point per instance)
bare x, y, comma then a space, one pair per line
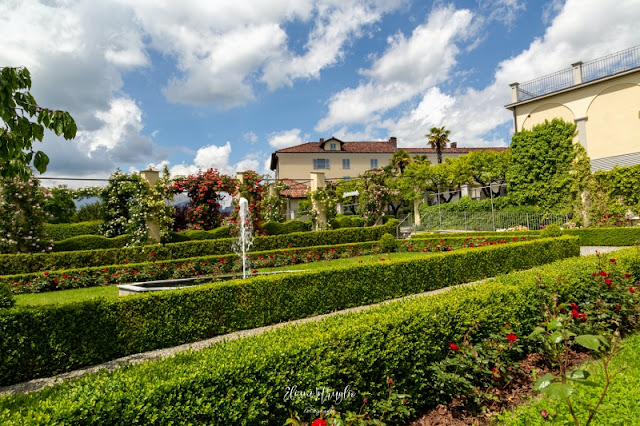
59, 204
327, 197
89, 212
6, 296
22, 217
438, 138
15, 264
551, 231
90, 242
612, 194
17, 110
388, 243
274, 207
62, 231
539, 172
130, 203
277, 228
47, 340
347, 222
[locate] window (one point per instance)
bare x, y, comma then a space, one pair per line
346, 178
374, 163
320, 163
346, 163
332, 146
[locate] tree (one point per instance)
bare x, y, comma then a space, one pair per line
400, 160
60, 204
438, 138
485, 168
17, 110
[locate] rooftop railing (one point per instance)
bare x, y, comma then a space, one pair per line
579, 73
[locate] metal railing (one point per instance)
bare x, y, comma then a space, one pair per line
549, 83
487, 221
611, 64
592, 70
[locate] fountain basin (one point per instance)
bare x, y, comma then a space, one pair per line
178, 283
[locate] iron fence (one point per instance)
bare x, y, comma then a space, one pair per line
487, 221
549, 83
611, 64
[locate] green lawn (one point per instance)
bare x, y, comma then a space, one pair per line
76, 295
621, 406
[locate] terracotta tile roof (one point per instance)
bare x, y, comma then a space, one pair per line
296, 189
364, 147
378, 147
461, 150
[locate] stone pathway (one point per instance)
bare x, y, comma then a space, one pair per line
39, 384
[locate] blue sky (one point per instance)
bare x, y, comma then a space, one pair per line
197, 84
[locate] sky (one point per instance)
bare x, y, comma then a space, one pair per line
194, 84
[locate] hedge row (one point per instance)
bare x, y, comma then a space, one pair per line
62, 231
23, 263
628, 236
244, 381
90, 242
36, 282
45, 340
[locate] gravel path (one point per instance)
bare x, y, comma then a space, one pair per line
39, 384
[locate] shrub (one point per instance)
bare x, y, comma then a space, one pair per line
16, 264
6, 296
90, 242
277, 228
62, 231
388, 243
551, 231
400, 340
46, 340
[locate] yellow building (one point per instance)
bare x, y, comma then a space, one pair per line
344, 160
601, 96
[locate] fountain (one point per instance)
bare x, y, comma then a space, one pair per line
245, 233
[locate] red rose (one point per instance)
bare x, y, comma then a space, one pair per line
603, 274
574, 306
612, 260
575, 313
454, 347
618, 307
496, 374
627, 275
390, 380
152, 253
512, 337
608, 281
632, 290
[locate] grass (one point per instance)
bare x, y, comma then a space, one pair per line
77, 295
621, 406
65, 296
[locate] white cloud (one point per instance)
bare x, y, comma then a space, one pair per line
336, 24
408, 67
285, 138
505, 11
250, 137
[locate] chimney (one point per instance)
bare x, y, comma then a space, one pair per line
453, 145
321, 141
393, 141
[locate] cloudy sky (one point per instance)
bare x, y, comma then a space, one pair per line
200, 83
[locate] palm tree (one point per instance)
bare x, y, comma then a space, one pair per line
438, 138
400, 160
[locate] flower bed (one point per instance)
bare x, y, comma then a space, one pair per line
16, 264
224, 264
41, 341
244, 381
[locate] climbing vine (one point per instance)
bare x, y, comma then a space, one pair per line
205, 191
327, 197
274, 206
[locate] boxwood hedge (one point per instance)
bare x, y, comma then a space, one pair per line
45, 340
90, 242
62, 279
23, 263
244, 381
62, 231
617, 236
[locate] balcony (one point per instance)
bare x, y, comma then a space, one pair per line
579, 73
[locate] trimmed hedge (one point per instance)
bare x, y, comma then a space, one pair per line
618, 236
62, 231
45, 340
23, 263
192, 234
90, 242
218, 264
277, 228
244, 381
6, 296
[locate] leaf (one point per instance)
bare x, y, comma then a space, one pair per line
559, 391
41, 161
544, 382
556, 337
555, 324
536, 332
578, 375
589, 341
